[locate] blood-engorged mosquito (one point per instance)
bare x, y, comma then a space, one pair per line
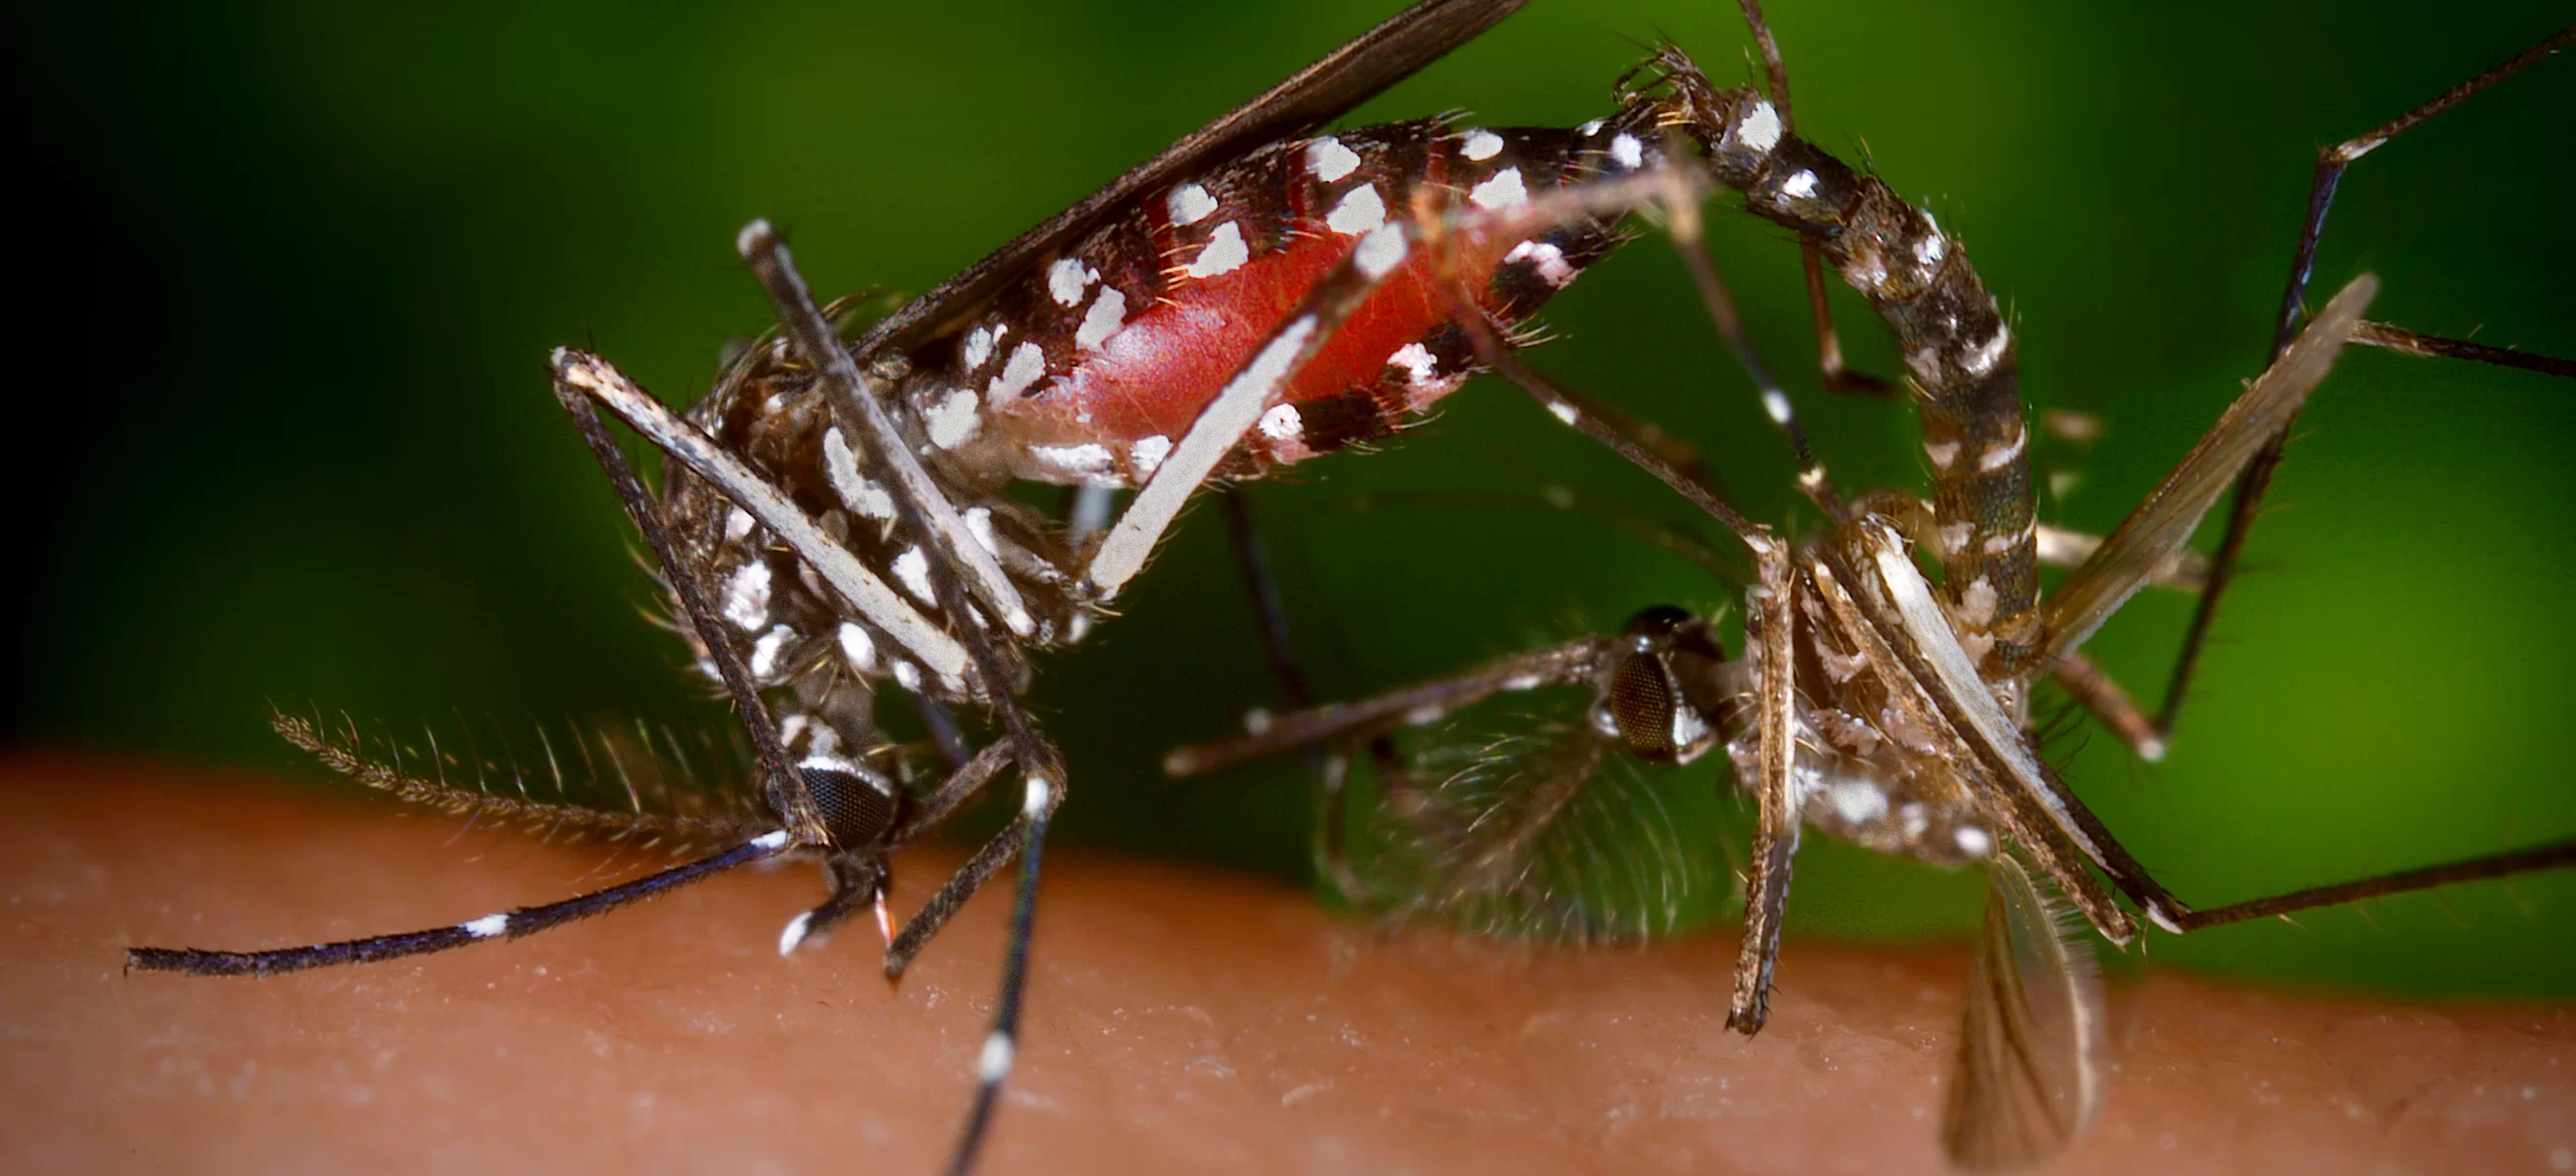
1873, 702
839, 516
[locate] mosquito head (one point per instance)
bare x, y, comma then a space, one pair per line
1651, 701
860, 807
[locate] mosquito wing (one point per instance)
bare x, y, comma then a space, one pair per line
2160, 525
1358, 71
2029, 1072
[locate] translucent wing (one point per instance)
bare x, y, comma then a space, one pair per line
2029, 1073
1531, 823
2150, 536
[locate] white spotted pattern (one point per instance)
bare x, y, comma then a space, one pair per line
1481, 145
979, 346
1761, 128
1329, 160
1800, 186
1190, 204
912, 569
747, 595
486, 927
858, 493
1547, 259
1382, 250
1225, 251
1028, 362
1066, 278
1282, 423
1419, 366
859, 648
1149, 453
1627, 151
953, 421
1108, 313
764, 652
1504, 190
1083, 461
1360, 211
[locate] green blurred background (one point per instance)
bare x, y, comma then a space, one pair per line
301, 264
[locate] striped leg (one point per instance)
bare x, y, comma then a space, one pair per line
509, 924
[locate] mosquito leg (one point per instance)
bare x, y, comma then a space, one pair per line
2097, 693
858, 587
783, 787
1682, 222
942, 725
2522, 861
2058, 547
2257, 478
924, 510
2406, 342
1575, 661
1252, 560
509, 924
1775, 837
1829, 346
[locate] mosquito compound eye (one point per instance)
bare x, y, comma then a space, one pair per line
859, 806
1641, 704
1660, 620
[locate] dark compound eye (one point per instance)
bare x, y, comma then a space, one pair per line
1641, 703
859, 807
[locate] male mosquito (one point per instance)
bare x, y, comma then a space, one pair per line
1873, 702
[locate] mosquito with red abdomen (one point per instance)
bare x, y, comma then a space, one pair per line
1872, 701
837, 513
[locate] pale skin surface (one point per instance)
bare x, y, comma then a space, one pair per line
1179, 1021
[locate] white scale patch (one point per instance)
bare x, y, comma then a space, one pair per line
1563, 411
1547, 259
857, 492
912, 568
1973, 841
1858, 802
1504, 190
747, 595
737, 525
1589, 129
908, 676
1481, 145
1776, 405
1760, 129
1329, 160
1420, 367
764, 652
1066, 279
1982, 360
1028, 362
979, 523
1359, 212
1977, 604
859, 648
1282, 423
979, 346
1800, 186
1108, 313
1930, 250
1189, 204
2003, 455
953, 420
1224, 253
1942, 453
1382, 250
1088, 462
1627, 151
486, 927
1149, 453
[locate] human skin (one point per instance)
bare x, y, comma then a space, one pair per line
1179, 1020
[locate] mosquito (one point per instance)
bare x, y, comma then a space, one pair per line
1872, 701
838, 515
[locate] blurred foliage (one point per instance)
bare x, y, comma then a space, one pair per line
298, 265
